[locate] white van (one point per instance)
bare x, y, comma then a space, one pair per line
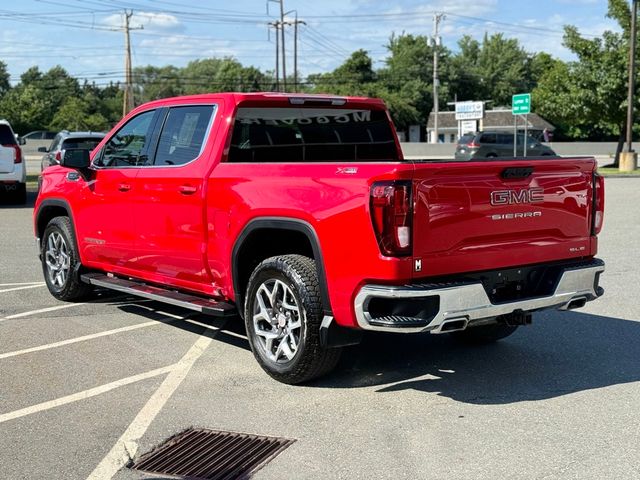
13, 171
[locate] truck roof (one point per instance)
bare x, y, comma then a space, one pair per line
254, 98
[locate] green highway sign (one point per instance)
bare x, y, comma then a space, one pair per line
521, 104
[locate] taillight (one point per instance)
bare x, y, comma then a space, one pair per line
18, 156
473, 145
58, 156
598, 203
392, 217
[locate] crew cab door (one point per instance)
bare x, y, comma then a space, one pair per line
169, 207
104, 213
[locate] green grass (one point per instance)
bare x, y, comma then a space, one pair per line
615, 171
32, 180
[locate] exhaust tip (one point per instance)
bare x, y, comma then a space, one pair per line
454, 325
576, 303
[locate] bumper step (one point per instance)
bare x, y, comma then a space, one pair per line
185, 300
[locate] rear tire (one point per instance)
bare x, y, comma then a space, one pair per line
61, 262
484, 334
283, 313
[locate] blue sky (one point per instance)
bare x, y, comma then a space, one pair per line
83, 35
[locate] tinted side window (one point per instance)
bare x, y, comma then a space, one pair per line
488, 138
183, 134
128, 146
505, 139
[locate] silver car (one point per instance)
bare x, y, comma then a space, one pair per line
498, 144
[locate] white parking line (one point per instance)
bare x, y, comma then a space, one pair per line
92, 392
79, 339
13, 289
127, 445
18, 284
41, 310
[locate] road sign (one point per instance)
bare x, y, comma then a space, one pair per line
469, 110
521, 104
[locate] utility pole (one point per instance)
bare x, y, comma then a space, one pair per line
127, 105
284, 58
276, 26
295, 24
628, 158
437, 18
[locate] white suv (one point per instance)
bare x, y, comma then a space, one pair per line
13, 171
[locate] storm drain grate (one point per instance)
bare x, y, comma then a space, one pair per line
199, 453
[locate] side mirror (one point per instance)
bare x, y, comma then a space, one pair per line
77, 158
21, 141
43, 149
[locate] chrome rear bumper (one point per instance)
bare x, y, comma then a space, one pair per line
464, 303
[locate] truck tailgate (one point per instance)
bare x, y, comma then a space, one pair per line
7, 157
475, 216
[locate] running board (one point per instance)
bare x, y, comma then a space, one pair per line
185, 300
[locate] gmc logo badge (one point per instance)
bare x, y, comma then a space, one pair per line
511, 197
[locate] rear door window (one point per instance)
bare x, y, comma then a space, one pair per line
183, 134
312, 135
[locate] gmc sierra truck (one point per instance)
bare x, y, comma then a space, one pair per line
299, 214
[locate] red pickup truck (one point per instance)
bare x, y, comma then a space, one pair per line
299, 214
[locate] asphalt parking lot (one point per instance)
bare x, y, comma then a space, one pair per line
84, 387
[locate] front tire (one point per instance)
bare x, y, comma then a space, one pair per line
283, 313
60, 261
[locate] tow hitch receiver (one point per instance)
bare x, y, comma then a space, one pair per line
516, 318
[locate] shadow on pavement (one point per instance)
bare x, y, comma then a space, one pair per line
561, 353
231, 333
6, 202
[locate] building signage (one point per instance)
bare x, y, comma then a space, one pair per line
469, 110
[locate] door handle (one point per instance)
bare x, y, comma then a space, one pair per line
124, 187
187, 189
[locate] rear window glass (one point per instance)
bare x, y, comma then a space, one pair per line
311, 135
83, 143
6, 137
466, 139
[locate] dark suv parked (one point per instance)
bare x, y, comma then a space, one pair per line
65, 140
498, 144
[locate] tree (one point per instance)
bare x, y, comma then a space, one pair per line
492, 70
76, 114
4, 79
407, 79
354, 77
221, 75
587, 97
152, 83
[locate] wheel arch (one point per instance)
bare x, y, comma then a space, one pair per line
50, 208
291, 234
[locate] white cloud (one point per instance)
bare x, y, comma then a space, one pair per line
162, 22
